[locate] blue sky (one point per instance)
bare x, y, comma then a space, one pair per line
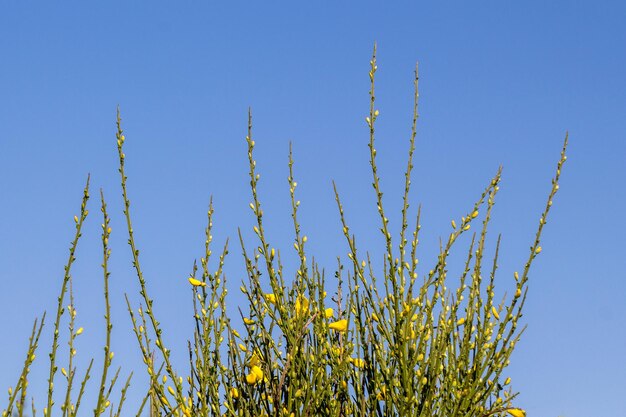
500, 83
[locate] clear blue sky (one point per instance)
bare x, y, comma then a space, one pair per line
500, 83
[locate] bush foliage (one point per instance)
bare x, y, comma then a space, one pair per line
390, 342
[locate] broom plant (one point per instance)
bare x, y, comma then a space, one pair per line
395, 341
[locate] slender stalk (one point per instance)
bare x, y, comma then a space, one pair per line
108, 355
22, 382
66, 278
142, 282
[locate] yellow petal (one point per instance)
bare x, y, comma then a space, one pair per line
271, 298
251, 378
254, 360
340, 326
196, 283
358, 363
329, 312
302, 305
258, 372
516, 412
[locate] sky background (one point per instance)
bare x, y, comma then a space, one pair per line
500, 84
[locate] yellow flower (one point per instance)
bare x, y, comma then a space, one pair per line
251, 378
234, 393
196, 282
258, 372
329, 312
516, 412
357, 362
340, 326
254, 360
255, 375
248, 321
302, 305
271, 298
495, 313
461, 321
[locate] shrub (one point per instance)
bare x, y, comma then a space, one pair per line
385, 343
